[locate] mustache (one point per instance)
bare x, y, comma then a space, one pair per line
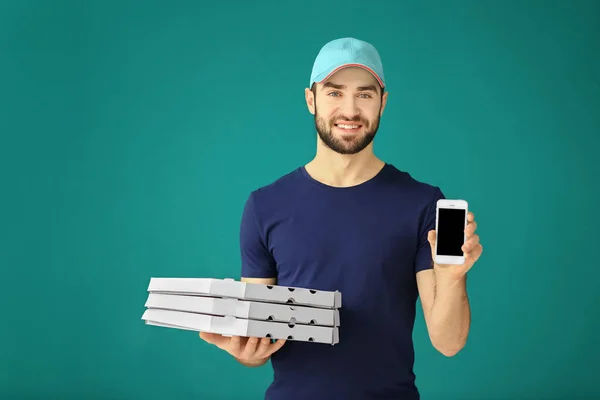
356, 118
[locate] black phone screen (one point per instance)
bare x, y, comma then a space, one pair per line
451, 231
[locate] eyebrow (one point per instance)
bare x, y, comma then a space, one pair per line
368, 87
340, 87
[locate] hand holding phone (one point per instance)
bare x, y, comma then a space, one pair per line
450, 225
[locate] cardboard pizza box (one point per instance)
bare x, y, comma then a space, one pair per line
229, 288
245, 309
232, 326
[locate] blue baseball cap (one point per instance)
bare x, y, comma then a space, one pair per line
346, 52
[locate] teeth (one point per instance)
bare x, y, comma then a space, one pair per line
348, 126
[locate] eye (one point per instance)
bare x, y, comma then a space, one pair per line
365, 95
333, 93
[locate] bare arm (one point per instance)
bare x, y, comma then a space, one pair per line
446, 309
443, 292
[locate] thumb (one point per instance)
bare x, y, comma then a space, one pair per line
431, 237
213, 338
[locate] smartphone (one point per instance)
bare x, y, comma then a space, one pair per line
450, 225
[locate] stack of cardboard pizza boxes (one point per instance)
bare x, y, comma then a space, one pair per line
234, 308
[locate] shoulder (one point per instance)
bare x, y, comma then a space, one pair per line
278, 191
417, 191
418, 200
281, 184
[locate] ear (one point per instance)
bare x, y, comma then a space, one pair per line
383, 102
310, 100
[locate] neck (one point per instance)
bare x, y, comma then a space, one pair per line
343, 170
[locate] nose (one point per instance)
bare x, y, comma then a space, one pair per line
349, 108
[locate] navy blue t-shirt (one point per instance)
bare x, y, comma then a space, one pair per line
368, 242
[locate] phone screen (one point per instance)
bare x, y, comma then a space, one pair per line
451, 231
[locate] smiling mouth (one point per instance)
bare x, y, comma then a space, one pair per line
348, 127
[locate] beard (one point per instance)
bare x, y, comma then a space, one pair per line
350, 145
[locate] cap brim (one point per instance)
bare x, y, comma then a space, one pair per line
353, 65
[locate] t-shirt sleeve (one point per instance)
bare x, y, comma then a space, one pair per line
424, 259
256, 259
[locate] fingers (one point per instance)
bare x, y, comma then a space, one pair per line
470, 229
263, 349
248, 351
251, 349
475, 253
470, 244
275, 346
236, 346
472, 248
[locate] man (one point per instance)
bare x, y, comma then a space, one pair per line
351, 222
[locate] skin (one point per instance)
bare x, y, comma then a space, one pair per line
444, 298
346, 158
250, 351
352, 95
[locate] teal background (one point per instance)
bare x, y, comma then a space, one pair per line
132, 133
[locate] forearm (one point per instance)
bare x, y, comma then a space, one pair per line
450, 314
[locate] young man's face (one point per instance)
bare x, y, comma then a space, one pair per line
347, 109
